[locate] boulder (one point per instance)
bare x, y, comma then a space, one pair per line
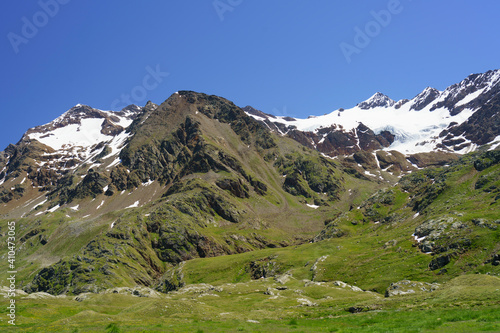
405, 287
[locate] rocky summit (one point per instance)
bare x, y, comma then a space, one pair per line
196, 202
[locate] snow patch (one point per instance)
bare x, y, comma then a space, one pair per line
134, 205
419, 239
312, 206
470, 97
53, 209
41, 203
85, 134
117, 144
496, 143
100, 205
370, 174
115, 162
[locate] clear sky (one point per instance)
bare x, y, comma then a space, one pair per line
285, 57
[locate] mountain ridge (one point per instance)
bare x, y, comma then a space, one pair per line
418, 124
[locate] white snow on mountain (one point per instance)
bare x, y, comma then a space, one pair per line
84, 135
415, 130
470, 97
377, 100
77, 132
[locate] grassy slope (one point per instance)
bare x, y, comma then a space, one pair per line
376, 252
464, 304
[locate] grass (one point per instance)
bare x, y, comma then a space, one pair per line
464, 304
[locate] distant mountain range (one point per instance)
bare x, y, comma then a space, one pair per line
458, 119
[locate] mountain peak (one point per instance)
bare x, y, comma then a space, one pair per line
424, 98
254, 112
377, 100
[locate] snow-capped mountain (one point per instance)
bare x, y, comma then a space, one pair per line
81, 133
66, 154
80, 137
377, 100
453, 120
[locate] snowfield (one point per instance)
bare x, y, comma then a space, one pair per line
415, 131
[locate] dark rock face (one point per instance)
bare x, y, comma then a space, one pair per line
250, 110
377, 100
459, 91
338, 142
425, 98
21, 157
368, 140
439, 262
334, 141
481, 128
495, 260
393, 161
185, 151
400, 103
110, 128
366, 159
91, 186
30, 234
64, 277
7, 195
237, 188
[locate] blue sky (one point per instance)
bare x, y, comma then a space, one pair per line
286, 57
